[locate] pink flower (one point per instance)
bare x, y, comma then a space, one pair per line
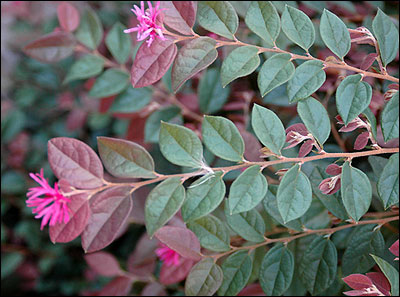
150, 22
331, 185
53, 207
168, 256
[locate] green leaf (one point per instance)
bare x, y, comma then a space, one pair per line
203, 196
388, 184
125, 159
318, 266
163, 203
204, 278
377, 163
119, 43
180, 145
219, 17
212, 96
131, 100
315, 118
193, 57
268, 128
277, 270
307, 79
211, 232
387, 36
363, 241
274, 72
390, 119
10, 262
240, 62
263, 19
391, 274
249, 224
332, 202
222, 138
236, 270
111, 82
371, 120
85, 67
334, 33
152, 127
298, 27
247, 190
90, 30
356, 191
352, 97
271, 207
294, 194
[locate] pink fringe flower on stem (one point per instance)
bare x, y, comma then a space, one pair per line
53, 207
150, 22
168, 256
331, 185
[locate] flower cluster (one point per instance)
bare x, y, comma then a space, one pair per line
364, 137
168, 256
297, 133
150, 22
331, 185
53, 207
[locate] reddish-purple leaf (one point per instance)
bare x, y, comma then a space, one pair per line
306, 148
173, 274
252, 145
380, 281
180, 15
79, 216
361, 141
393, 86
151, 63
139, 199
300, 128
153, 289
52, 47
142, 261
333, 169
76, 162
368, 61
252, 290
68, 16
358, 281
104, 264
110, 209
120, 286
394, 249
181, 240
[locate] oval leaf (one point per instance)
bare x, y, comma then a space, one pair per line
315, 118
163, 203
125, 159
247, 190
390, 119
131, 100
52, 47
203, 196
352, 97
298, 27
174, 274
263, 19
204, 279
181, 240
152, 127
211, 232
86, 67
119, 43
76, 162
90, 30
268, 128
212, 96
180, 145
307, 79
68, 16
240, 62
276, 271
318, 266
274, 72
334, 33
180, 15
237, 271
356, 191
152, 62
111, 82
110, 210
193, 57
222, 138
219, 17
294, 194
104, 264
388, 184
